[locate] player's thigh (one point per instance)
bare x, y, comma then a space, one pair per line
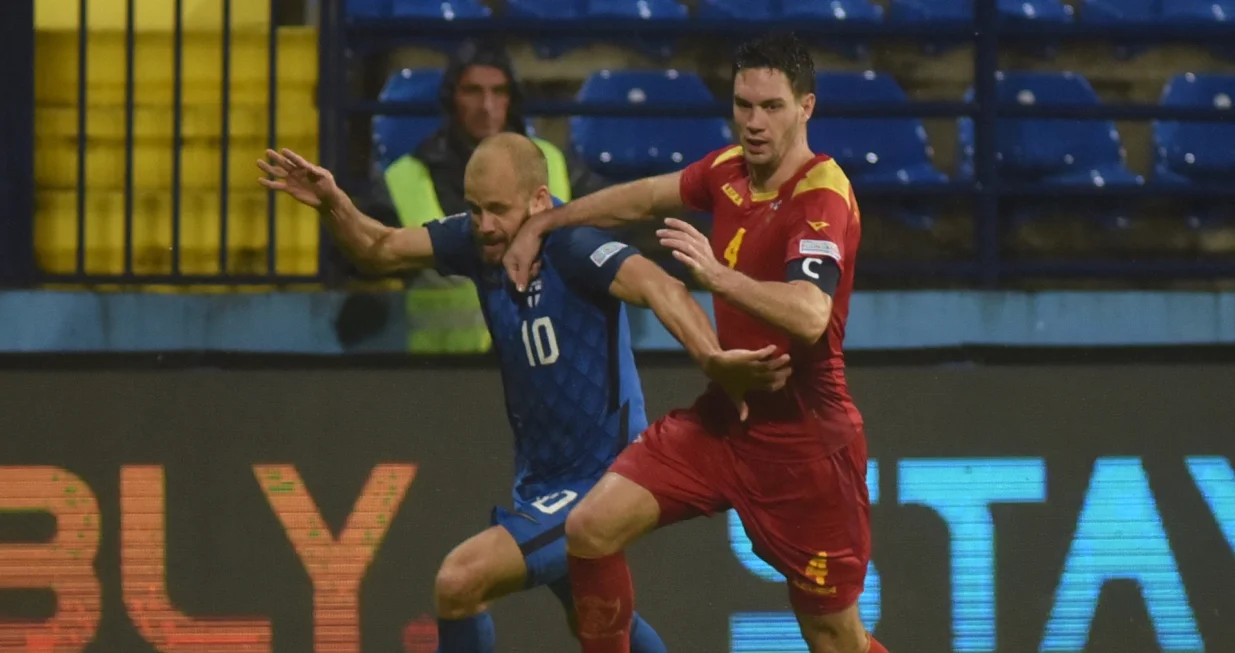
811, 522
612, 515
668, 474
485, 567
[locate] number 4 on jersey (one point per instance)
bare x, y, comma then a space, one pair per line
731, 252
540, 334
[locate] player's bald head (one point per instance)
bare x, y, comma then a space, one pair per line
510, 153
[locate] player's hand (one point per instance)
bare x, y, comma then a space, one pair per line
739, 371
692, 248
310, 184
522, 258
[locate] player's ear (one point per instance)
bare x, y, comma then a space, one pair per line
541, 200
808, 106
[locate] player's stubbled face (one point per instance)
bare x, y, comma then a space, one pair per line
766, 114
498, 208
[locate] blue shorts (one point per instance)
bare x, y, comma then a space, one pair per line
539, 526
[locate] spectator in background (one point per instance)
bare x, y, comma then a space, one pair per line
480, 97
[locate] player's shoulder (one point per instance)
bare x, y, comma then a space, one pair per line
822, 181
727, 161
579, 242
458, 223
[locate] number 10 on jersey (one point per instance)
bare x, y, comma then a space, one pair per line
538, 335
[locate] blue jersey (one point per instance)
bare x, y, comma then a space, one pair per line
572, 392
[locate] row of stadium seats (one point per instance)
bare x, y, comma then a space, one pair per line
878, 151
1148, 12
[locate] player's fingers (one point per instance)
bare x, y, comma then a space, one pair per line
279, 160
514, 268
298, 160
765, 352
690, 262
272, 184
778, 363
273, 171
678, 244
689, 234
683, 226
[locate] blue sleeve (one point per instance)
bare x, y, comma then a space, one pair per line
453, 251
588, 258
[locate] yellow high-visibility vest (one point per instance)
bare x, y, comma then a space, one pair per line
443, 313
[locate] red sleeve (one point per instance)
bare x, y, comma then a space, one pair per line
818, 225
696, 184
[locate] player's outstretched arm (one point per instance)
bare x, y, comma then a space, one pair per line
370, 245
641, 282
635, 201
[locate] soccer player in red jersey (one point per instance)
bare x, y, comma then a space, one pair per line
792, 462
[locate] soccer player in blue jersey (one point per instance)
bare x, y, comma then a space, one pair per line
572, 392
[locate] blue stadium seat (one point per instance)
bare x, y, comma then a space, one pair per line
1153, 12
570, 10
875, 151
550, 10
1198, 11
448, 9
650, 10
855, 11
958, 11
829, 11
628, 148
738, 10
367, 8
1108, 12
1201, 152
1068, 151
933, 12
1037, 11
394, 136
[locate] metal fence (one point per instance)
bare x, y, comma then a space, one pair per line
162, 151
344, 38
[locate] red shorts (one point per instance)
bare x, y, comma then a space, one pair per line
809, 520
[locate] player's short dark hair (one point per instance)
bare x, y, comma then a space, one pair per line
779, 51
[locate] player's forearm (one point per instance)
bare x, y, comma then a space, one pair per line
794, 308
614, 206
685, 319
362, 239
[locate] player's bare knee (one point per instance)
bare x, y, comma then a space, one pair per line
458, 590
590, 533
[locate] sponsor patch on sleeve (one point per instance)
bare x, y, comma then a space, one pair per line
456, 216
606, 252
819, 248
